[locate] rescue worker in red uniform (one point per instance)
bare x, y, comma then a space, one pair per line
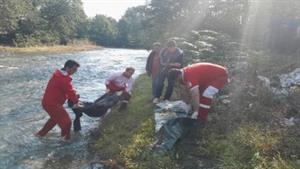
203, 80
59, 89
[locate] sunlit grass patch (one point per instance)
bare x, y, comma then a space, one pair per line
250, 147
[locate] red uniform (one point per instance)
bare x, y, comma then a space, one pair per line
59, 89
209, 78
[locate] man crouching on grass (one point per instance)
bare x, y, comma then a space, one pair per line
121, 82
59, 89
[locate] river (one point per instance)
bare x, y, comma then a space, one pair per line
22, 83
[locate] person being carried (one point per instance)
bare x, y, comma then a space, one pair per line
59, 89
203, 80
123, 82
153, 65
170, 57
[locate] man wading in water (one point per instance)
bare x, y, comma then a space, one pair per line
59, 89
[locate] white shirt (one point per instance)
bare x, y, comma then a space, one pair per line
121, 81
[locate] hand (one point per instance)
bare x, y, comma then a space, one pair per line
78, 105
194, 115
107, 90
126, 95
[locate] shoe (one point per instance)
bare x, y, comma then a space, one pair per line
65, 140
155, 100
38, 135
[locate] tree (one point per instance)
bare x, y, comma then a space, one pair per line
137, 29
103, 30
11, 12
34, 22
64, 18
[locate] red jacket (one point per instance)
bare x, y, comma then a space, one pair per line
204, 74
59, 89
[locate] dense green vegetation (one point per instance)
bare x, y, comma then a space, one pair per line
268, 25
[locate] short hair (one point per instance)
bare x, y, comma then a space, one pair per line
129, 68
174, 74
156, 44
71, 63
171, 43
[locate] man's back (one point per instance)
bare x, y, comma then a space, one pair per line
56, 91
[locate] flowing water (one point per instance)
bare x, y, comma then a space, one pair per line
22, 83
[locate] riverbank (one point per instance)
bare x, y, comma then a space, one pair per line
245, 130
125, 137
56, 49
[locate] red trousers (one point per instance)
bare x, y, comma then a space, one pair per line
206, 95
58, 115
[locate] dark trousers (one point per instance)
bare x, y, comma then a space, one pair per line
154, 85
160, 86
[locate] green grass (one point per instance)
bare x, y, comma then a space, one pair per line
224, 143
126, 136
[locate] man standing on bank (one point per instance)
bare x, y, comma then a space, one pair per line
170, 57
153, 65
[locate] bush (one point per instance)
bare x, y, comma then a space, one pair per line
38, 38
207, 45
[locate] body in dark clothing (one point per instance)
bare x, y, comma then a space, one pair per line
98, 108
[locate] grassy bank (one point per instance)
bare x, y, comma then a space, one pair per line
237, 136
56, 49
125, 136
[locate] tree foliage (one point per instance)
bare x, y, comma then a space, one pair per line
103, 30
268, 24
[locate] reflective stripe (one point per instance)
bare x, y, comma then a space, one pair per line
210, 92
204, 106
195, 87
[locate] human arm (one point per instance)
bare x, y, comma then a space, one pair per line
149, 63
